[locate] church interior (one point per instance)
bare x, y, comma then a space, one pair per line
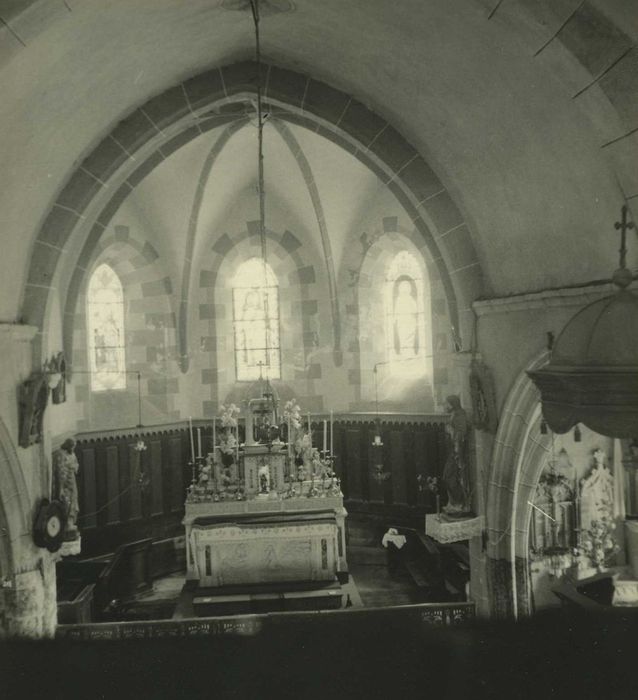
317, 319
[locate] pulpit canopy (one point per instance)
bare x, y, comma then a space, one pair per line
592, 377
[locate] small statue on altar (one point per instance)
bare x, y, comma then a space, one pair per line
456, 471
65, 470
264, 479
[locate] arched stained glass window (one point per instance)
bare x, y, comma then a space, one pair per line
105, 329
256, 321
403, 293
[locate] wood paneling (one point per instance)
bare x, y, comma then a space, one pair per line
135, 493
112, 485
87, 495
154, 469
177, 494
125, 494
116, 508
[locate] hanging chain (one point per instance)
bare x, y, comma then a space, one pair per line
254, 6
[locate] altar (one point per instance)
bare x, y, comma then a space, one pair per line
266, 511
253, 540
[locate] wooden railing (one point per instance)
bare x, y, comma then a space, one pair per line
126, 494
414, 616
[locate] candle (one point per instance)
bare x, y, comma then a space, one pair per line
325, 437
199, 442
332, 427
289, 439
190, 431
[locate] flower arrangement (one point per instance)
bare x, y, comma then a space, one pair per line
431, 483
292, 413
303, 447
228, 442
229, 415
598, 542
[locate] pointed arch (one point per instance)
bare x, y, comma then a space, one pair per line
216, 98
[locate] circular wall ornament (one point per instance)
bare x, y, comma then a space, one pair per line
49, 525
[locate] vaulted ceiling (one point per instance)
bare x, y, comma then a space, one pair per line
526, 110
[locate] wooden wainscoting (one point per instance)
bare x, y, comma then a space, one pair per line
413, 445
126, 495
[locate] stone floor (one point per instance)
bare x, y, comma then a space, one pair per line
377, 587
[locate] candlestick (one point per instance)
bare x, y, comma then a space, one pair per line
332, 427
325, 437
190, 430
199, 442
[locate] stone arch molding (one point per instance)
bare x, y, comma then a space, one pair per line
515, 470
15, 508
147, 136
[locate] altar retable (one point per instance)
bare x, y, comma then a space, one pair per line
267, 511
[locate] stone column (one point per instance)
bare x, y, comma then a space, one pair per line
480, 450
27, 573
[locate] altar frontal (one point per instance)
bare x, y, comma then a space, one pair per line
290, 549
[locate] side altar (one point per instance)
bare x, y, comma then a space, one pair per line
268, 510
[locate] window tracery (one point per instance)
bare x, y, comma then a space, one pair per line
105, 330
256, 321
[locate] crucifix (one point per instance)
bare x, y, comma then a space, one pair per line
623, 226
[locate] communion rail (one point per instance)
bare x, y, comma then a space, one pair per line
406, 617
126, 494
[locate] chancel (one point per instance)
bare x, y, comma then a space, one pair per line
284, 283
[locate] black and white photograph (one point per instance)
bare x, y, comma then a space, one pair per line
318, 349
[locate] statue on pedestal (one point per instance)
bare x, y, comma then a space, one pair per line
456, 478
65, 469
597, 493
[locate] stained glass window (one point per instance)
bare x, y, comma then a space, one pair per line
256, 321
404, 311
105, 329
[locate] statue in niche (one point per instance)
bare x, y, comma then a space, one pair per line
65, 470
404, 311
596, 493
456, 471
264, 479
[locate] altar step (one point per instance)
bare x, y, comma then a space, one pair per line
264, 598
